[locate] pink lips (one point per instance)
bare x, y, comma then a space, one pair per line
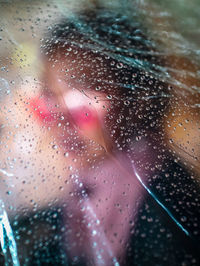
84, 117
43, 110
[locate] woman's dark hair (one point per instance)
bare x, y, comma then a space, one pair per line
112, 54
125, 67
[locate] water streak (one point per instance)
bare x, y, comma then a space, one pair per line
8, 244
159, 202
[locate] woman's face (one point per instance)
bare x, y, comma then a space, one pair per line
80, 83
53, 133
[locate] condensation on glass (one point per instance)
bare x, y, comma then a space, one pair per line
99, 133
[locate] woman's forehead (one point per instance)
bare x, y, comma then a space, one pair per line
74, 55
82, 65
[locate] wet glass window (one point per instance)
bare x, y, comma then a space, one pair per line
99, 133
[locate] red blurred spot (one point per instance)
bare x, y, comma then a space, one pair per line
84, 117
41, 109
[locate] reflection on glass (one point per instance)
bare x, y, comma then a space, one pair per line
99, 138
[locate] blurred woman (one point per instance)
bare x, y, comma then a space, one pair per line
96, 68
99, 114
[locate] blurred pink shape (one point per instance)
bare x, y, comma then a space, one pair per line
102, 211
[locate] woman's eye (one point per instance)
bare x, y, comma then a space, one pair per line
82, 115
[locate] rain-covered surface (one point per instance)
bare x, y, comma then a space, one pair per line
99, 132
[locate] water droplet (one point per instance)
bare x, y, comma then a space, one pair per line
54, 147
126, 102
183, 218
120, 65
94, 232
109, 97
